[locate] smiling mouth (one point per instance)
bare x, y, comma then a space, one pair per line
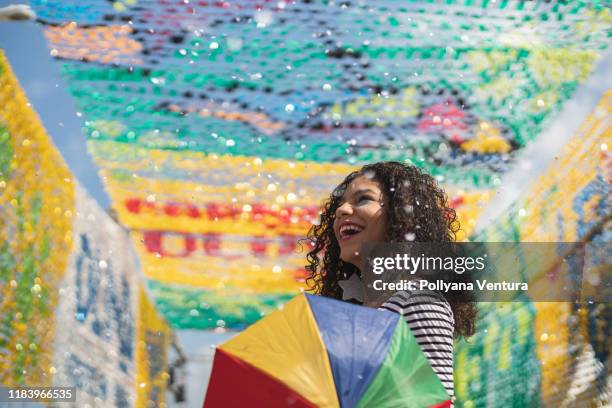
349, 231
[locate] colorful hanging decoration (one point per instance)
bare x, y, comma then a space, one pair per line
220, 126
563, 346
197, 114
73, 311
320, 352
37, 207
153, 342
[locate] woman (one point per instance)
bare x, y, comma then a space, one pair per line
392, 202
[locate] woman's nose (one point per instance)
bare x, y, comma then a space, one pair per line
344, 209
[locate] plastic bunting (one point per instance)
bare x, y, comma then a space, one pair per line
563, 347
151, 354
219, 126
72, 305
320, 352
36, 237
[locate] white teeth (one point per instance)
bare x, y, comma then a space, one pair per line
346, 228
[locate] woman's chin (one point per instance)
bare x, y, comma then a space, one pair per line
350, 254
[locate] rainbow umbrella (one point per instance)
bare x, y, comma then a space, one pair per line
320, 352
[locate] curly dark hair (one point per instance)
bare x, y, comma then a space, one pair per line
415, 203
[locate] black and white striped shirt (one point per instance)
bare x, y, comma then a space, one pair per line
431, 321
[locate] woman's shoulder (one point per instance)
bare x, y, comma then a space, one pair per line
419, 301
418, 296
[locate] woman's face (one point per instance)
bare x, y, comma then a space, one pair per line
360, 219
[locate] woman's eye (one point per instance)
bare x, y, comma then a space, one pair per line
364, 199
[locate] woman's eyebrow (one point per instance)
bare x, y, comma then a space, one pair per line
364, 190
357, 192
